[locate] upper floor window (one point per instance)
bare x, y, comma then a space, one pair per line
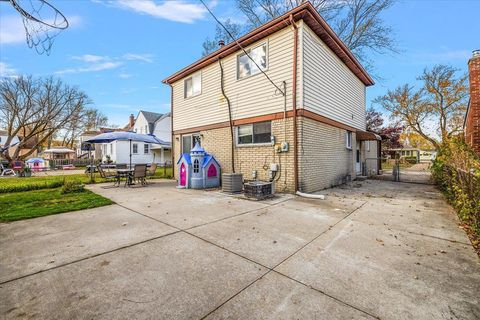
246, 67
193, 85
259, 132
348, 139
146, 128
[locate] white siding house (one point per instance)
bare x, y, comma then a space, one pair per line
304, 115
145, 123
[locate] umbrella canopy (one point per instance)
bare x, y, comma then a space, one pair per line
125, 136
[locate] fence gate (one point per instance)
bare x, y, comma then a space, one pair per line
409, 171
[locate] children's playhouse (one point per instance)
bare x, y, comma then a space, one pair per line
198, 169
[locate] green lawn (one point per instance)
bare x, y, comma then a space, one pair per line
47, 182
389, 165
23, 198
37, 203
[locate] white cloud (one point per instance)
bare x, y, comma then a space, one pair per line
173, 10
93, 62
91, 58
11, 30
146, 57
92, 68
6, 71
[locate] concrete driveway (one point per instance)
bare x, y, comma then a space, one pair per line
375, 250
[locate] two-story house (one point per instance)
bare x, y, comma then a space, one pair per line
286, 103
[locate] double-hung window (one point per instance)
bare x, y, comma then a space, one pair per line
193, 85
135, 148
254, 133
246, 67
348, 138
146, 148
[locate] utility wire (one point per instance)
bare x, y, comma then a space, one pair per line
238, 44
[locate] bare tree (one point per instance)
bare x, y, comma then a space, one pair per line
34, 110
357, 22
84, 120
441, 102
220, 34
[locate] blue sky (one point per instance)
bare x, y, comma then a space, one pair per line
118, 51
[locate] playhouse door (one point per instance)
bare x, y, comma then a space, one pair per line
183, 175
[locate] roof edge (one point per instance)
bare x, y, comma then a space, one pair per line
298, 13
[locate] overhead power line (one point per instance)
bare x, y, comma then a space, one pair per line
238, 44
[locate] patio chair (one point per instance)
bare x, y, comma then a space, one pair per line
6, 172
140, 173
109, 176
151, 171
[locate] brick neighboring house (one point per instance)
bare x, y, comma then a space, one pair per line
321, 117
472, 118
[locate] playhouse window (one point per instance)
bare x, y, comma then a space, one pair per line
246, 67
259, 132
348, 139
134, 148
193, 85
196, 166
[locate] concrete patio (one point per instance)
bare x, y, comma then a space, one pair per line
375, 250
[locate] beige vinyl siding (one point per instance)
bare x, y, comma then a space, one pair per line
249, 97
330, 88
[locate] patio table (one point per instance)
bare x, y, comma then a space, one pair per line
127, 174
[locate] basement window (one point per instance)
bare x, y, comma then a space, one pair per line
246, 67
254, 133
193, 85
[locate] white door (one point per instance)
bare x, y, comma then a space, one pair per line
358, 167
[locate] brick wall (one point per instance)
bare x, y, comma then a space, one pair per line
472, 128
324, 160
249, 158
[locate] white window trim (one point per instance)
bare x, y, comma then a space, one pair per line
248, 50
148, 146
192, 140
242, 145
348, 142
185, 85
133, 144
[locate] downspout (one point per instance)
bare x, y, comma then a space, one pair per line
294, 101
172, 153
229, 115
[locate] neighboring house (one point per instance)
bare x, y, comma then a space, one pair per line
85, 150
406, 152
472, 118
312, 138
145, 123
